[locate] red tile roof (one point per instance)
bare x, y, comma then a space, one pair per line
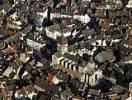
50, 77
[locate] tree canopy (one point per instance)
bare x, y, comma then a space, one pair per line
86, 57
74, 89
10, 2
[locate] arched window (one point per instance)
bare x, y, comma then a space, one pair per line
77, 68
96, 77
72, 67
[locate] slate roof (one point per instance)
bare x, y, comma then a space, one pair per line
62, 76
71, 57
47, 86
15, 38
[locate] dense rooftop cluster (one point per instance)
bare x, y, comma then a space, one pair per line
65, 49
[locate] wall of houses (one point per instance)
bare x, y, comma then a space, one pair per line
54, 34
59, 15
94, 79
85, 78
14, 26
34, 45
83, 19
84, 50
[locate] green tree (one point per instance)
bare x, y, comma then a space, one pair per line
120, 78
86, 57
47, 22
35, 97
10, 2
74, 89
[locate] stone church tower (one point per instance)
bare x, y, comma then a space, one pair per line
62, 44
